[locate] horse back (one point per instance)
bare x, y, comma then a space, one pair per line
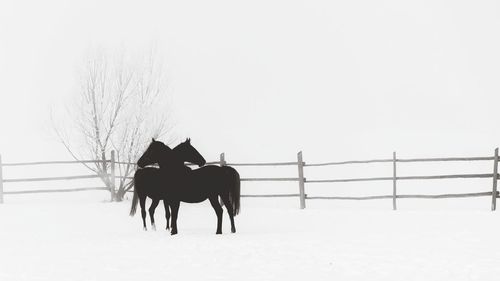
146, 173
148, 181
207, 172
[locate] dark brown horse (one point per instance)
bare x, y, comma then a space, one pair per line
174, 182
148, 181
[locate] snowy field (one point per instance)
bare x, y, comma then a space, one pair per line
87, 239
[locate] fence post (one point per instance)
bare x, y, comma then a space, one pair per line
394, 180
1, 181
112, 176
300, 165
222, 160
495, 178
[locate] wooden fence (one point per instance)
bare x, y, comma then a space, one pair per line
76, 177
300, 179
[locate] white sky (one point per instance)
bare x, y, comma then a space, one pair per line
261, 80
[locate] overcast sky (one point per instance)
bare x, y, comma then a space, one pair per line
261, 80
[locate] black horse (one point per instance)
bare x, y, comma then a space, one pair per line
149, 181
177, 183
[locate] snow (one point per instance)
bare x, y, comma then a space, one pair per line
87, 239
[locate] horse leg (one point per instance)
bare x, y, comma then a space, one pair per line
152, 212
229, 208
175, 212
167, 213
218, 210
142, 202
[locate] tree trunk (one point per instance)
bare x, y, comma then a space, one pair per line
119, 195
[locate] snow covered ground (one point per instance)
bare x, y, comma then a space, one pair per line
90, 240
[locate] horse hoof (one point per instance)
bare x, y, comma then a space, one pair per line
153, 227
145, 229
218, 232
173, 233
233, 230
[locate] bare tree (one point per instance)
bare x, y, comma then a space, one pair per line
121, 103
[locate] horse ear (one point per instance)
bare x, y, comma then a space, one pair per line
189, 140
153, 139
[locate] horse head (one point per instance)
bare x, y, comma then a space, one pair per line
157, 152
188, 153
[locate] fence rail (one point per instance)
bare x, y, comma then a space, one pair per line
56, 190
415, 196
301, 179
54, 178
54, 162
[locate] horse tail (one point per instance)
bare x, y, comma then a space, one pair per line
235, 190
135, 199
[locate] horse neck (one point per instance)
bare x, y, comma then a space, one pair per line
179, 158
172, 162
